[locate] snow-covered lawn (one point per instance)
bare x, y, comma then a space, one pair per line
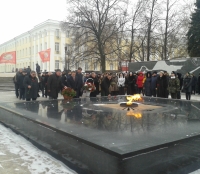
17, 155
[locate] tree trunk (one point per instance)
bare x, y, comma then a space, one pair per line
149, 30
166, 31
131, 45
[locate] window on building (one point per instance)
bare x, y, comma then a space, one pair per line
56, 64
86, 66
56, 46
111, 66
33, 49
26, 52
40, 34
29, 50
36, 49
57, 33
95, 66
40, 47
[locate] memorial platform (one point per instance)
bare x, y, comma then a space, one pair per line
98, 136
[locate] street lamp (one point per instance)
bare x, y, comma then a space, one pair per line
66, 58
66, 66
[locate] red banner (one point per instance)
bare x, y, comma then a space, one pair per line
45, 55
9, 57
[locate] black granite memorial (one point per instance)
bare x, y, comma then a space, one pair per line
159, 136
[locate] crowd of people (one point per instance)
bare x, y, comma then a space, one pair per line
28, 83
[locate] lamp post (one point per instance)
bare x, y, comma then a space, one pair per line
66, 66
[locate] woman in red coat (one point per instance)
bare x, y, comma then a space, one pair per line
140, 82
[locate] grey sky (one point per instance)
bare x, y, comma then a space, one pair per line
18, 16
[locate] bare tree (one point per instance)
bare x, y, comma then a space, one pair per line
150, 23
98, 24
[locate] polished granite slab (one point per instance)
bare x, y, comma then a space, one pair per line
102, 123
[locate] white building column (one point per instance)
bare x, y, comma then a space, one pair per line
52, 46
62, 50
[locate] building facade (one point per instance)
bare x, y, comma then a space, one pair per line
44, 36
28, 45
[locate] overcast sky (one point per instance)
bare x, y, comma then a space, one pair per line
19, 16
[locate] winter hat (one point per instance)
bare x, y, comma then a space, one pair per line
161, 72
155, 72
57, 70
173, 72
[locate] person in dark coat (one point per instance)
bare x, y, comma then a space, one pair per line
198, 84
47, 74
31, 86
21, 86
64, 78
79, 77
147, 84
162, 85
54, 84
194, 84
131, 84
94, 80
28, 70
37, 68
74, 83
173, 85
16, 82
105, 85
153, 84
187, 86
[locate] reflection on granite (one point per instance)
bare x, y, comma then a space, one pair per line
104, 123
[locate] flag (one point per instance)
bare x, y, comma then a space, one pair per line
45, 55
9, 57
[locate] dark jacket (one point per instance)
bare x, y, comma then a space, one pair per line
37, 68
162, 86
194, 81
54, 84
187, 84
75, 85
96, 84
153, 82
21, 81
199, 81
33, 91
105, 86
28, 70
174, 85
18, 74
147, 85
79, 77
64, 80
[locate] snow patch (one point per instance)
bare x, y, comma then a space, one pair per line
36, 160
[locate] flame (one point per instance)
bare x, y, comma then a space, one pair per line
130, 99
132, 113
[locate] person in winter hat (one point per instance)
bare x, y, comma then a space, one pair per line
131, 81
147, 85
162, 84
173, 85
140, 82
187, 86
121, 84
153, 83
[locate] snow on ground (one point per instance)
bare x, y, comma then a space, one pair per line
17, 155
